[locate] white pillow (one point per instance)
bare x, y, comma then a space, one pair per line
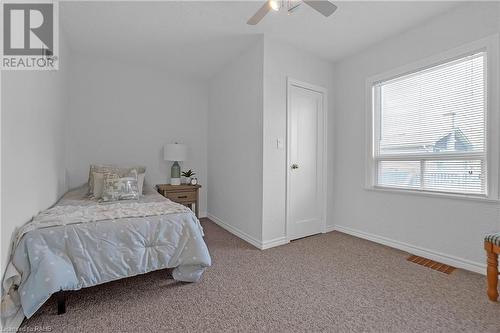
98, 178
140, 181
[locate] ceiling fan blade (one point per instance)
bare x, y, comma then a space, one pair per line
325, 7
259, 15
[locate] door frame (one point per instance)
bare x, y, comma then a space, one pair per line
291, 82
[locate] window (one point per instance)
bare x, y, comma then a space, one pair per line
430, 129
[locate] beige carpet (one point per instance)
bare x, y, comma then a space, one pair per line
331, 282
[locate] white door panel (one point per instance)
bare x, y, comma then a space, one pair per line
305, 169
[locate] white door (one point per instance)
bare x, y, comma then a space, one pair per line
306, 142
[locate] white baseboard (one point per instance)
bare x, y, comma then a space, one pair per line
235, 231
262, 245
416, 250
274, 242
202, 215
328, 228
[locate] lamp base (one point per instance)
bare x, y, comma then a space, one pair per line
175, 174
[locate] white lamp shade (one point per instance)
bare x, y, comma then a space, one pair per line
175, 152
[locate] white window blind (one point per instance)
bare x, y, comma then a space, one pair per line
430, 128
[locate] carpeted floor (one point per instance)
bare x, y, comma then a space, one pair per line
331, 282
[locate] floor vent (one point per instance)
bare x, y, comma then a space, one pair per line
432, 264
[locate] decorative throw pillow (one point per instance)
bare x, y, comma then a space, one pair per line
120, 188
121, 171
99, 184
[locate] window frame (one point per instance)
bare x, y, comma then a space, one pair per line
490, 156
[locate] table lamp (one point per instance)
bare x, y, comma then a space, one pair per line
175, 152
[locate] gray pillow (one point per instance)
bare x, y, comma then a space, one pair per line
120, 188
98, 184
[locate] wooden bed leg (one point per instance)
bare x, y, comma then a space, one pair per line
61, 302
492, 273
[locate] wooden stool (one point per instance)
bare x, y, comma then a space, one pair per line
492, 247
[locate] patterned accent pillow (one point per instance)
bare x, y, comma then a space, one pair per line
121, 171
99, 184
120, 188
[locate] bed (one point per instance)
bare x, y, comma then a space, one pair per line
80, 243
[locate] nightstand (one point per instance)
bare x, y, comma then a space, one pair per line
184, 194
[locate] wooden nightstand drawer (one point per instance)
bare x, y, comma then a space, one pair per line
181, 196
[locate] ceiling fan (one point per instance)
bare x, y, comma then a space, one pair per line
325, 7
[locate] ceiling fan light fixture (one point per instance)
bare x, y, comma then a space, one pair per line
275, 4
325, 7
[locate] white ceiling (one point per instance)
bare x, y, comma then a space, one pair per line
198, 38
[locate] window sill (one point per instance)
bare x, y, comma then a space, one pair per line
430, 194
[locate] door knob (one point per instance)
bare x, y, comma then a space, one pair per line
295, 166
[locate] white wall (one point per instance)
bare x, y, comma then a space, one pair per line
282, 61
124, 114
235, 145
452, 229
34, 117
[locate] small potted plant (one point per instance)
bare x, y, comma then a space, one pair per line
188, 175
